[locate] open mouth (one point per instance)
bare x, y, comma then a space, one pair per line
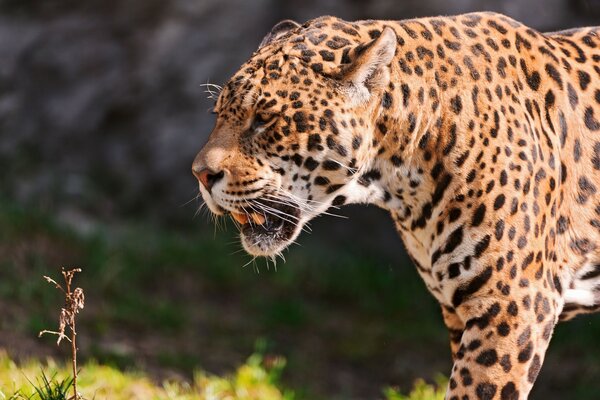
267, 227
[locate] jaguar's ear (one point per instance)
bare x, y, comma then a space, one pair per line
281, 28
367, 70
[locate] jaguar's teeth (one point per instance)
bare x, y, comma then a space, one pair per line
258, 219
241, 218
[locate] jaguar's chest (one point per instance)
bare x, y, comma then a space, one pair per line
446, 262
420, 252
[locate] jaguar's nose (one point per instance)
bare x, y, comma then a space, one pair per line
207, 177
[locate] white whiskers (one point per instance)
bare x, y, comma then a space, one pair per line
310, 206
212, 90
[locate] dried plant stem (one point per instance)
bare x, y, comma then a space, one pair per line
74, 358
61, 336
74, 301
68, 278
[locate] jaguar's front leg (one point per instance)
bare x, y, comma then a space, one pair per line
502, 347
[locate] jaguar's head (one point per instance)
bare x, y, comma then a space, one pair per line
294, 129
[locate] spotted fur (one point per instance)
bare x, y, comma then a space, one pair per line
478, 134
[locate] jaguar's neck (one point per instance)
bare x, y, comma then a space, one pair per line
419, 152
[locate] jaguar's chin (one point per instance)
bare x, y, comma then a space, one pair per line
268, 227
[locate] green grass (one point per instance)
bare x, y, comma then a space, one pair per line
251, 381
48, 388
257, 379
421, 391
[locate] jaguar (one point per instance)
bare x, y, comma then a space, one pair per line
479, 135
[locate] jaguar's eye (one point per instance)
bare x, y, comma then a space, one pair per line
260, 121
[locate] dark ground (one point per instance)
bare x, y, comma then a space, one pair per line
350, 320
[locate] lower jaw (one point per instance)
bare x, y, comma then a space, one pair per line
266, 245
264, 248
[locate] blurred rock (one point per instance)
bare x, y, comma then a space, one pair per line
101, 103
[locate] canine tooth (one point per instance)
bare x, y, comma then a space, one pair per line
241, 218
258, 218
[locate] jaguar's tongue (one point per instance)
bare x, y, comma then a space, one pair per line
245, 218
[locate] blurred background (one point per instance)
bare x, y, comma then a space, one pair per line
102, 111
